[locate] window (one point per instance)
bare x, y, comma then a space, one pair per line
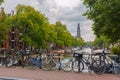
12, 36
13, 29
9, 43
2, 44
20, 45
13, 44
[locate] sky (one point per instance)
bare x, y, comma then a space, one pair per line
69, 12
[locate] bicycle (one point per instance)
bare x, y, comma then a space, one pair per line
111, 64
53, 63
11, 59
36, 61
16, 58
33, 62
92, 63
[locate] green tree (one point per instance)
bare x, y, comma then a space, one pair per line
3, 19
89, 43
101, 42
1, 1
74, 42
115, 50
98, 42
35, 28
105, 15
3, 27
64, 38
80, 42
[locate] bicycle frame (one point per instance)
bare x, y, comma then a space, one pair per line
115, 67
36, 62
58, 63
88, 62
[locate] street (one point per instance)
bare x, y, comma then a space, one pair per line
24, 73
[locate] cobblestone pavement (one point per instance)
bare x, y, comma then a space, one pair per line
52, 75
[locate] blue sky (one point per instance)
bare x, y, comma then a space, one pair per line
69, 12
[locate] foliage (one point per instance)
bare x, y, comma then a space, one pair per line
77, 42
37, 31
101, 42
89, 43
105, 15
1, 1
80, 42
74, 42
2, 22
64, 38
35, 28
115, 50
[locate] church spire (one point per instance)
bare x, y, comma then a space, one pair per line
78, 31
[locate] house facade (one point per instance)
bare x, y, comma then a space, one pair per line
13, 39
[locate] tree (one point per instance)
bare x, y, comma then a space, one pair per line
101, 42
105, 16
3, 19
64, 37
3, 27
1, 1
80, 42
89, 44
35, 28
74, 42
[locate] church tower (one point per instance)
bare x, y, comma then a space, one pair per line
78, 31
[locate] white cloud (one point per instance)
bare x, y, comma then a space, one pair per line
87, 31
68, 12
11, 4
67, 3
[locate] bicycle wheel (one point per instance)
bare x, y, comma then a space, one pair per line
98, 67
118, 73
66, 66
46, 64
76, 67
53, 65
30, 65
117, 70
9, 62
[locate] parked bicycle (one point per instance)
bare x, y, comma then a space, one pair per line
16, 58
35, 60
54, 62
91, 62
11, 59
110, 63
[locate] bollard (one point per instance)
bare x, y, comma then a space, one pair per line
78, 65
59, 61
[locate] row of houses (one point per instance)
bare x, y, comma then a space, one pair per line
13, 39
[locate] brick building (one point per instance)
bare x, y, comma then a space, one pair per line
13, 39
